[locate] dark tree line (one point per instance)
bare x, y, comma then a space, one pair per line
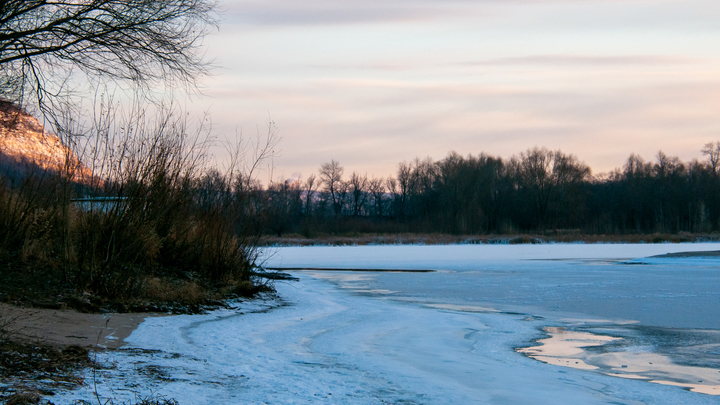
537, 190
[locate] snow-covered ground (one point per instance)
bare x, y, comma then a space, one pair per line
451, 336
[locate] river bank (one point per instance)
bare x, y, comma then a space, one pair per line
448, 335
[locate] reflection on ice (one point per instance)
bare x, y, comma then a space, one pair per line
564, 348
461, 308
568, 348
597, 321
701, 388
341, 277
375, 291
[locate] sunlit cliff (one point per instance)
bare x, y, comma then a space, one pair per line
25, 145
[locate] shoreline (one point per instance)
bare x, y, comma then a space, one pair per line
67, 327
557, 236
348, 333
328, 344
704, 253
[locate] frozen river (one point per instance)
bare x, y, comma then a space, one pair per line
481, 324
599, 281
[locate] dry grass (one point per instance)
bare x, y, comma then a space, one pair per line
555, 236
32, 370
168, 290
151, 400
178, 234
20, 358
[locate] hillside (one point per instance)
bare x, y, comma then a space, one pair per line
25, 146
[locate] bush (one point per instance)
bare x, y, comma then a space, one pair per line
152, 222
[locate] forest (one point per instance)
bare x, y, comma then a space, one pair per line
537, 190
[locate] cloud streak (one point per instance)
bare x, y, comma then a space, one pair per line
553, 60
584, 60
597, 78
338, 12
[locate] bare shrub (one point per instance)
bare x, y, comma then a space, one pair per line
170, 214
150, 208
28, 209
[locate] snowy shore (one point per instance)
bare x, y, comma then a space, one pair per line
427, 338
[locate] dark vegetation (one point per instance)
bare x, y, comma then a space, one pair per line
57, 367
148, 226
151, 229
545, 195
23, 362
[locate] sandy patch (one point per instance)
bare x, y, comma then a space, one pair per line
565, 362
563, 343
703, 389
57, 327
566, 348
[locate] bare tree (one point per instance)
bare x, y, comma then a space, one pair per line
283, 204
310, 185
331, 175
139, 42
712, 150
548, 176
343, 189
376, 187
357, 185
535, 174
404, 179
636, 167
422, 180
391, 185
667, 165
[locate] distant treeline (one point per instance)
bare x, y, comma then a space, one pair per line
537, 190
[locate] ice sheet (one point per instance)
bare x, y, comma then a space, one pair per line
447, 337
332, 346
597, 281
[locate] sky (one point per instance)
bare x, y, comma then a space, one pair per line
374, 83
